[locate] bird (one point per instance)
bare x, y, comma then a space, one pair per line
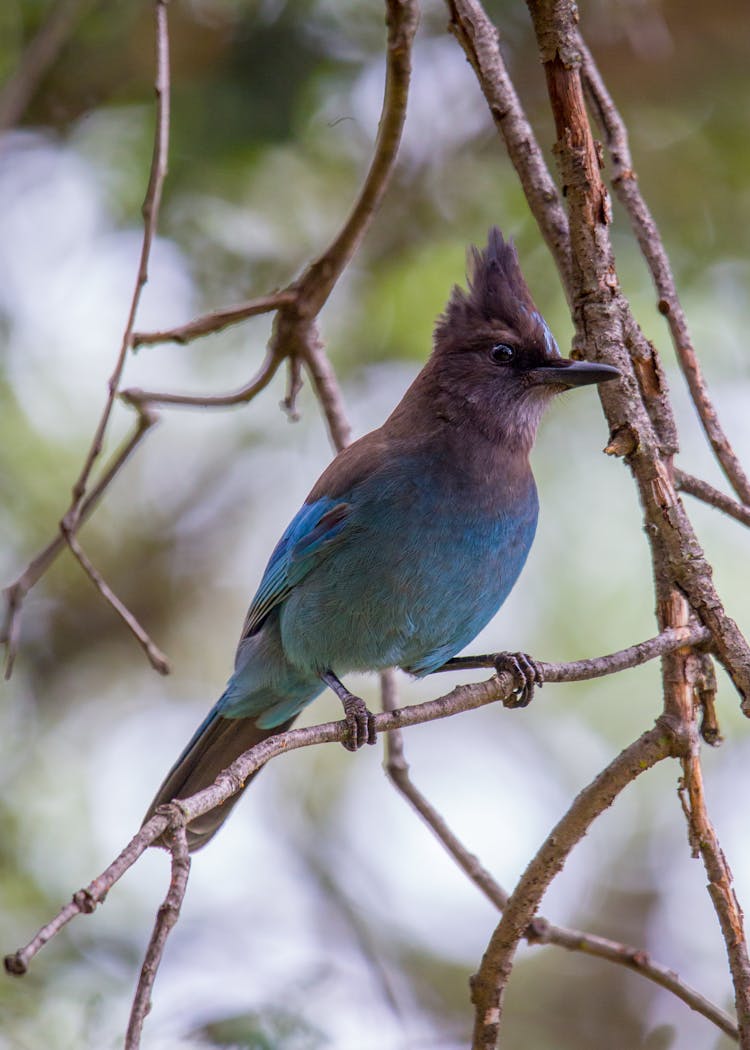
411, 539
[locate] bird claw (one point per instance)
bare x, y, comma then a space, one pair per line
527, 674
359, 721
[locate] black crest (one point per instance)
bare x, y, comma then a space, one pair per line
497, 296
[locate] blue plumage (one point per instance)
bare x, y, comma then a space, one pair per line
411, 539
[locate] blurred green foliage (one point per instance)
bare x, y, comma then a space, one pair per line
324, 915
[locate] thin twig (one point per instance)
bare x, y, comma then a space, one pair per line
720, 889
39, 56
294, 336
150, 211
463, 698
156, 657
16, 592
625, 184
261, 379
216, 320
540, 930
167, 916
708, 494
318, 280
638, 961
488, 985
329, 393
73, 517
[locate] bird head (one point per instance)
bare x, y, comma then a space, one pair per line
494, 352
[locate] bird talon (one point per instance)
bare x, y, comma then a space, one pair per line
527, 674
360, 723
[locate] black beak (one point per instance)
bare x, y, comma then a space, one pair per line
562, 371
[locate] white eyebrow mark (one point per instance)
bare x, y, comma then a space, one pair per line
550, 343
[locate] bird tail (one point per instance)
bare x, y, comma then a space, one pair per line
215, 745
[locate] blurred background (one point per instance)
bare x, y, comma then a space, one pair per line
325, 915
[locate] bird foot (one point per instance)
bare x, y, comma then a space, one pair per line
360, 721
527, 674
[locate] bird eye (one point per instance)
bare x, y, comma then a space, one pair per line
502, 354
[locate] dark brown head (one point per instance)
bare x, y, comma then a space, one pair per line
494, 356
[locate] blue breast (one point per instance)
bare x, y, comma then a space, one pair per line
426, 560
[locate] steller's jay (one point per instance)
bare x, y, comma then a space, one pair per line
411, 539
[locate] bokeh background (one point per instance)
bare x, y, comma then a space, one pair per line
325, 915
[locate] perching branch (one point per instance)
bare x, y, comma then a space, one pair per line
463, 698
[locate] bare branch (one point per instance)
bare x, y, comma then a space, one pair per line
17, 591
489, 983
604, 327
720, 889
150, 209
72, 518
261, 379
156, 657
85, 901
634, 959
318, 280
294, 336
479, 39
329, 393
39, 56
167, 916
463, 698
625, 184
215, 321
703, 491
540, 930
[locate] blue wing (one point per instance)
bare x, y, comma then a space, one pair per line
309, 539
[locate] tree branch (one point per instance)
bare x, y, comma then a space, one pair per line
156, 657
540, 930
500, 687
625, 184
167, 916
142, 398
73, 517
151, 204
480, 41
294, 335
215, 321
16, 592
728, 911
582, 670
317, 282
489, 983
703, 491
